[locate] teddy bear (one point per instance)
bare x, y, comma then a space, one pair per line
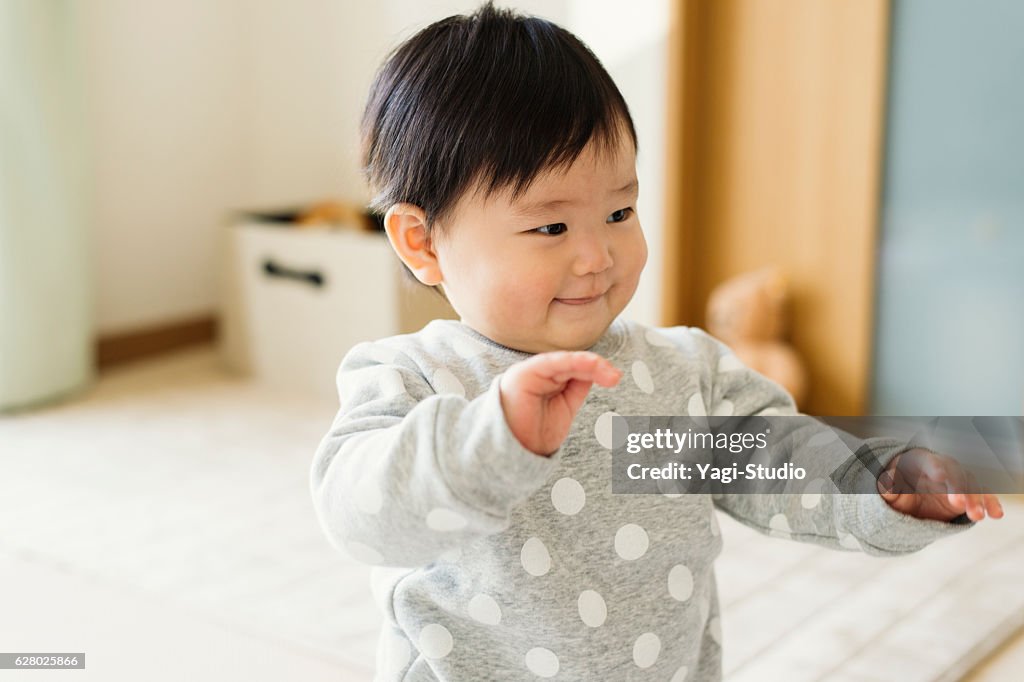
748, 314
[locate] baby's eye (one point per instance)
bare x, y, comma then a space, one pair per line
553, 229
620, 216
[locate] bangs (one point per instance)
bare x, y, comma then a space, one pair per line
550, 100
486, 103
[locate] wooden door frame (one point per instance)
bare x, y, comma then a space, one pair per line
774, 156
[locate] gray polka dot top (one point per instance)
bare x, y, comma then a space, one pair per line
494, 563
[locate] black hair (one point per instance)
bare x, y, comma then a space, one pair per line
484, 101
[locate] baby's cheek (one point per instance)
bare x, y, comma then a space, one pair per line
507, 303
529, 301
635, 252
532, 283
629, 274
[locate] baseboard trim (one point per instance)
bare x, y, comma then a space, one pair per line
117, 349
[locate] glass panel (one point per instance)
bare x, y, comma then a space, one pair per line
950, 298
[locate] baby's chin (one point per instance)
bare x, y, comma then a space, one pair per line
574, 339
554, 332
580, 327
545, 343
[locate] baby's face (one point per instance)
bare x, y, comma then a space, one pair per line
548, 278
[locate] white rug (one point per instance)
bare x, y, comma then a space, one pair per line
174, 477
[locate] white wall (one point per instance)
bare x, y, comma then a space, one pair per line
199, 107
166, 102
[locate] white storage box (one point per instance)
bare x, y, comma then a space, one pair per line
294, 301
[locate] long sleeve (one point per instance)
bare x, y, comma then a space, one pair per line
857, 518
410, 467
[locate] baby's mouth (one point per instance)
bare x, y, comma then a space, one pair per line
581, 301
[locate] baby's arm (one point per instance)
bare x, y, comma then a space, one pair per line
858, 518
406, 473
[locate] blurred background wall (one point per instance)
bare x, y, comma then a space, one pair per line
199, 107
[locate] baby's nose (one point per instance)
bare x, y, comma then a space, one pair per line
593, 254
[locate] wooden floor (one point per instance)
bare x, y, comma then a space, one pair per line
164, 516
136, 635
1007, 662
807, 613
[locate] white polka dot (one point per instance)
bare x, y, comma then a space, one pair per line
695, 407
542, 662
445, 520
368, 498
823, 438
593, 610
642, 377
779, 526
672, 496
715, 628
769, 412
680, 675
435, 641
445, 382
646, 650
680, 582
382, 354
850, 542
605, 433
467, 347
724, 409
812, 494
810, 500
535, 557
452, 555
656, 339
729, 363
363, 553
669, 485
484, 609
568, 496
631, 542
391, 383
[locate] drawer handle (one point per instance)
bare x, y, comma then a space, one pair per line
312, 277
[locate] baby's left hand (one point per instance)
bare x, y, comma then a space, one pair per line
927, 485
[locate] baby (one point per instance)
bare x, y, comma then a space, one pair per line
470, 462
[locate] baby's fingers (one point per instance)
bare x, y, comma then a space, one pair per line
992, 505
562, 366
983, 501
977, 501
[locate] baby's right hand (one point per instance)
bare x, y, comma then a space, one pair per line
540, 396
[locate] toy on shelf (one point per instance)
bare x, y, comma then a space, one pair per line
332, 213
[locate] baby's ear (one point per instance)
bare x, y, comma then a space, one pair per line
406, 227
